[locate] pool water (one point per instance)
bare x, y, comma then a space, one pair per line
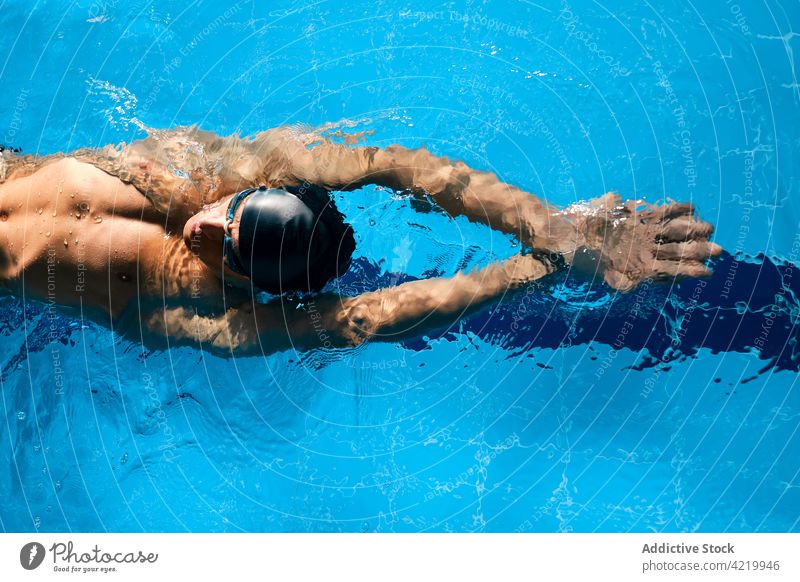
570, 408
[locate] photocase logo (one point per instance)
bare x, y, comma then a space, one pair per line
31, 555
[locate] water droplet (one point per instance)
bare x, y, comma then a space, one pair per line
66, 243
124, 459
98, 219
20, 415
48, 234
39, 211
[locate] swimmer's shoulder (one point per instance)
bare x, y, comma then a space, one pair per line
57, 172
77, 174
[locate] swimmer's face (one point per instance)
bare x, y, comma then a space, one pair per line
204, 234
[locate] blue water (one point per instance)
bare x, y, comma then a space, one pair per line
530, 417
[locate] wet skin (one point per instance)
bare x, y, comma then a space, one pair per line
117, 234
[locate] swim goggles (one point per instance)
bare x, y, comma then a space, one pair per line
228, 253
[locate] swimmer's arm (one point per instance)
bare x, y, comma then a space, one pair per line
392, 314
456, 188
178, 170
170, 194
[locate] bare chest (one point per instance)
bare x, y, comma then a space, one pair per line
75, 236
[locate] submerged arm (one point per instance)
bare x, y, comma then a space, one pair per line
391, 314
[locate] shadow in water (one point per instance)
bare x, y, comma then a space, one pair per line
748, 305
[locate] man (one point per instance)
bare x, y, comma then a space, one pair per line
168, 240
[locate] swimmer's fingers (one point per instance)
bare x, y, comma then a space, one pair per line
639, 208
676, 269
674, 210
681, 229
691, 251
608, 201
660, 270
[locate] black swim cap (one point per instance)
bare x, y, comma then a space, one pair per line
280, 239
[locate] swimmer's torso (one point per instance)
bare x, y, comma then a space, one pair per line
73, 235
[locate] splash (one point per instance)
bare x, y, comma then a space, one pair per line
117, 104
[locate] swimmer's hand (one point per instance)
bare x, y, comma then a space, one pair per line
633, 241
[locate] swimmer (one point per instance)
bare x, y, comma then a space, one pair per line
168, 240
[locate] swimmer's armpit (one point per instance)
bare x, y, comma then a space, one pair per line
330, 321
